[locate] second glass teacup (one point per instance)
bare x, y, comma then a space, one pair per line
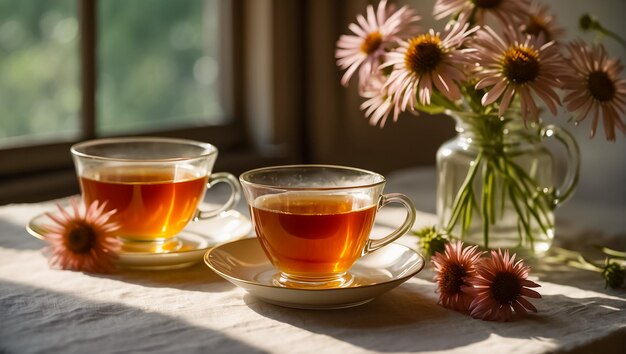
314, 221
154, 184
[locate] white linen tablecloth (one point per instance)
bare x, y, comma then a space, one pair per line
194, 310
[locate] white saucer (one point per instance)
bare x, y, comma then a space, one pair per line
244, 264
196, 239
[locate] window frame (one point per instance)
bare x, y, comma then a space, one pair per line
43, 171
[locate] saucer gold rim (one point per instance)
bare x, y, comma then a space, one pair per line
353, 295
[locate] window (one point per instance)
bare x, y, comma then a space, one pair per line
158, 65
72, 70
39, 104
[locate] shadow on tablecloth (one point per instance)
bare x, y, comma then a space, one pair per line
14, 236
407, 320
195, 278
36, 320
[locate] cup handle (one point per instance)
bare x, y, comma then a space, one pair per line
235, 194
373, 245
556, 196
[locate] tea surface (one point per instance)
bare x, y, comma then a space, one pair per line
313, 235
151, 203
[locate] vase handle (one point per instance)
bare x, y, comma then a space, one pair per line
559, 195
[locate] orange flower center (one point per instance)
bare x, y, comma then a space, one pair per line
601, 86
505, 288
424, 54
372, 42
486, 4
80, 239
451, 279
520, 64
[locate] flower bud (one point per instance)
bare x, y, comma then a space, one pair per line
614, 275
586, 22
431, 241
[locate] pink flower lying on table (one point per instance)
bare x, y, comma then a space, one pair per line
82, 241
454, 268
500, 286
490, 288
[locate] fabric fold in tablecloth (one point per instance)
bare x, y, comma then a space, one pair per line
194, 310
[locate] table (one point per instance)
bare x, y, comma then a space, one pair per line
194, 310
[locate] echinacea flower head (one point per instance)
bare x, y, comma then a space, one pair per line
373, 36
454, 268
378, 104
594, 88
540, 22
80, 240
500, 286
518, 64
506, 11
426, 60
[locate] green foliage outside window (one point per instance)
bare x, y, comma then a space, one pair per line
157, 67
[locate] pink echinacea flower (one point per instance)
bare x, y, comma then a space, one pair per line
454, 267
595, 88
430, 59
373, 37
499, 288
82, 241
540, 22
378, 104
520, 65
506, 11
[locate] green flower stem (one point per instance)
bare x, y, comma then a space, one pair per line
519, 190
523, 219
613, 271
499, 170
505, 183
464, 195
612, 252
523, 182
589, 23
467, 216
536, 193
582, 265
531, 209
614, 36
575, 259
526, 195
438, 104
487, 201
473, 98
563, 252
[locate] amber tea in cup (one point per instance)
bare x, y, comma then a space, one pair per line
154, 184
313, 234
151, 203
314, 221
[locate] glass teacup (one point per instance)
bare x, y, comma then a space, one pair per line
154, 184
314, 221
